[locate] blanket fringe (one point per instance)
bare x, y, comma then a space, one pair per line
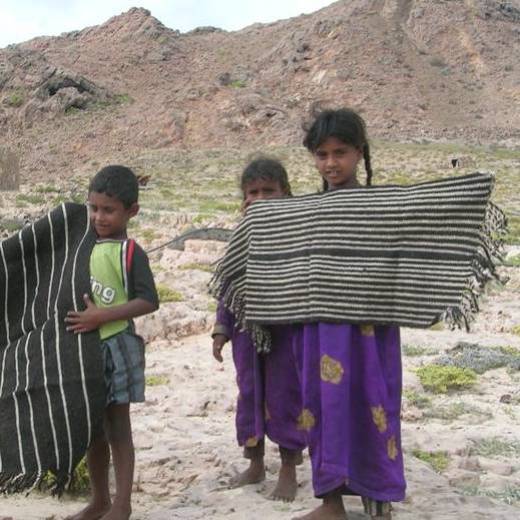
56, 484
488, 255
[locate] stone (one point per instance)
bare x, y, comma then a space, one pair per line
9, 170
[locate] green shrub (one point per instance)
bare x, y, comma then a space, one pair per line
438, 460
441, 379
15, 99
195, 266
168, 295
157, 380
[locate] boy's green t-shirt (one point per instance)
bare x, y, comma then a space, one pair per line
109, 280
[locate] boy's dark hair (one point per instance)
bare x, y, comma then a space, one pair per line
116, 181
264, 167
346, 125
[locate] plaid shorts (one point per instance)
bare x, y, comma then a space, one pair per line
123, 356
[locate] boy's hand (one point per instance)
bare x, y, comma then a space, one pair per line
219, 341
85, 321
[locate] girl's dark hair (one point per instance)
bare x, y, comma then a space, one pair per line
344, 124
116, 181
266, 168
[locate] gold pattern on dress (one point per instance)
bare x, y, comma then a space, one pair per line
379, 417
306, 420
331, 370
251, 442
391, 448
366, 330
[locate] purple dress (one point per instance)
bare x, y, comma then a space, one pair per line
269, 401
351, 385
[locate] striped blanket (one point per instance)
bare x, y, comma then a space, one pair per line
51, 381
405, 255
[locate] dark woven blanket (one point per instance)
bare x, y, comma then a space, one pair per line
52, 393
405, 255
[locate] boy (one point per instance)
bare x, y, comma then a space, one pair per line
122, 288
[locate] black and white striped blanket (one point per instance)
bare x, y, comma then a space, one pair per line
52, 392
405, 255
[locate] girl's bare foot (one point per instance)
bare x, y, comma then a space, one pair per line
287, 485
252, 475
331, 509
93, 511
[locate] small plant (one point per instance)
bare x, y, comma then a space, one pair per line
238, 83
31, 199
194, 266
167, 295
495, 446
442, 379
15, 99
438, 460
47, 189
455, 410
157, 380
212, 306
122, 99
149, 234
414, 350
414, 398
516, 330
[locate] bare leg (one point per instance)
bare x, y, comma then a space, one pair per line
119, 433
98, 459
255, 473
287, 484
331, 509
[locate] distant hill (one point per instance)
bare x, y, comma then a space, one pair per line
416, 69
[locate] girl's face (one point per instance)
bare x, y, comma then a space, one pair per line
261, 189
337, 163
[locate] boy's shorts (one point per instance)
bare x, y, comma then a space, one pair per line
123, 356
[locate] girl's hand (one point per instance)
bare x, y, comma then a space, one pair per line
85, 321
219, 341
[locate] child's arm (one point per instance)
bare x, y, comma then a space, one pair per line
222, 331
94, 317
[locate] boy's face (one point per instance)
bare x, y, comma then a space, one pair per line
108, 215
260, 189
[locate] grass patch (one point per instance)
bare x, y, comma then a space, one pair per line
149, 234
15, 99
455, 410
157, 380
516, 330
238, 83
510, 495
496, 447
31, 199
47, 189
443, 379
167, 295
194, 266
212, 306
80, 483
414, 398
513, 261
438, 460
415, 350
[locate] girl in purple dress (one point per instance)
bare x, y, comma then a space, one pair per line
269, 401
350, 374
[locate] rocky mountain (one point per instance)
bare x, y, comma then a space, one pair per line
416, 69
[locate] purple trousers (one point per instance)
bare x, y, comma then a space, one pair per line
269, 400
351, 380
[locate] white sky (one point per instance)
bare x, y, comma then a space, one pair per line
21, 20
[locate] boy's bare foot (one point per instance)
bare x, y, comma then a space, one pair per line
91, 512
118, 513
287, 485
252, 475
